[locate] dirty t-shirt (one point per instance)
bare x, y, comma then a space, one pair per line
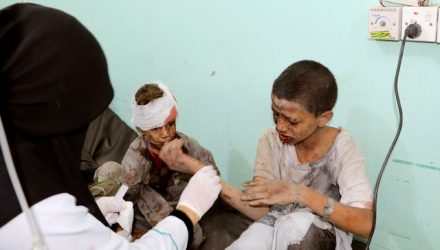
340, 174
157, 199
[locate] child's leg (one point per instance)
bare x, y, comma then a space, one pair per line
257, 236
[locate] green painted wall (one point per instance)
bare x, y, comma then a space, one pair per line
220, 58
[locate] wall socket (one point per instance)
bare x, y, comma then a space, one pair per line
384, 23
426, 17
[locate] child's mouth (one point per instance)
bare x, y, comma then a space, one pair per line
283, 137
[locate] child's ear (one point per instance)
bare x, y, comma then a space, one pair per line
324, 118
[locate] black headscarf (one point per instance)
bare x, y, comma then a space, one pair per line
53, 82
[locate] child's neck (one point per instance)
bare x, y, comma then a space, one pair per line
153, 149
315, 147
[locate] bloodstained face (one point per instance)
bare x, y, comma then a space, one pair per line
293, 122
157, 137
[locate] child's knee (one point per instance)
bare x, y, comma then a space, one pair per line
108, 171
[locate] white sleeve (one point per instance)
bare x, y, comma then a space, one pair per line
170, 233
351, 174
65, 225
265, 163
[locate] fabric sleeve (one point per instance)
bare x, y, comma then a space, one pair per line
351, 174
133, 165
75, 228
264, 158
170, 233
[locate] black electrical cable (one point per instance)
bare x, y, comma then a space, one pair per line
412, 31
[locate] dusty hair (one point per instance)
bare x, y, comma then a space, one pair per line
147, 93
308, 83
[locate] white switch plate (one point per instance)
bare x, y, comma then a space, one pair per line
384, 23
438, 29
404, 2
426, 17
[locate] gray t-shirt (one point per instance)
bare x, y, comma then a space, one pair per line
340, 174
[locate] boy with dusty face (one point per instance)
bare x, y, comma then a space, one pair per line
301, 111
303, 161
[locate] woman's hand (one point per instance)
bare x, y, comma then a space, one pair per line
173, 155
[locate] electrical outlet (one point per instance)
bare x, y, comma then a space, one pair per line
384, 23
426, 17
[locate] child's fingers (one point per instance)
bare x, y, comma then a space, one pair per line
261, 202
171, 150
253, 195
179, 142
248, 183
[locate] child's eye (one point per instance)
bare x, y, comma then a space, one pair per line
293, 123
171, 124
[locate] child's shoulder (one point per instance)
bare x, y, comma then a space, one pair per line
269, 133
185, 137
343, 135
345, 139
136, 143
189, 141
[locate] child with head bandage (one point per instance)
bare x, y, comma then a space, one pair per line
154, 111
154, 188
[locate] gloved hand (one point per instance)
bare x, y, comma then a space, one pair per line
202, 191
110, 206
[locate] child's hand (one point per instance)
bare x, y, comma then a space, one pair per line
172, 154
261, 191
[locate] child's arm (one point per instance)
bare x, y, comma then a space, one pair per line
133, 169
273, 192
197, 151
352, 219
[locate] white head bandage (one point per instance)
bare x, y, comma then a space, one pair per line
156, 113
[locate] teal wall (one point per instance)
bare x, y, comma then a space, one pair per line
220, 58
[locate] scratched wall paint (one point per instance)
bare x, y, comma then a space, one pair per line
220, 58
408, 200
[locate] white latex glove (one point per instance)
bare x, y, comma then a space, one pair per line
125, 218
110, 207
202, 191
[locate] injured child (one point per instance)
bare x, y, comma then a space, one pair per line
154, 188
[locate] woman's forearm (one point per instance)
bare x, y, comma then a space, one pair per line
231, 195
